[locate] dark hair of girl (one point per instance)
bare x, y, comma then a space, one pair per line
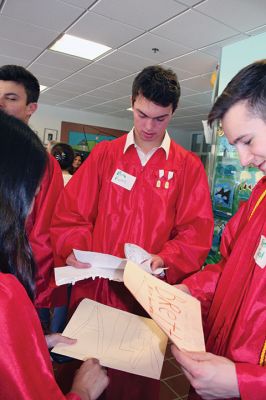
22, 164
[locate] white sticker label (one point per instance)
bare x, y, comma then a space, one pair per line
260, 254
123, 179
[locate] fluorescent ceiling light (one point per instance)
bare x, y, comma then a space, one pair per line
78, 47
130, 109
42, 87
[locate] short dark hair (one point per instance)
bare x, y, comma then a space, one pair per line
158, 85
249, 85
64, 154
20, 75
22, 164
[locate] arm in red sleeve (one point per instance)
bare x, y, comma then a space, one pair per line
251, 381
26, 369
38, 229
191, 238
77, 209
202, 285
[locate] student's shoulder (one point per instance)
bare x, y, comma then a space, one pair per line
11, 291
177, 151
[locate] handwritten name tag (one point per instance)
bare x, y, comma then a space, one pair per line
123, 179
260, 254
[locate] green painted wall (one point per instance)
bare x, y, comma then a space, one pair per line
238, 55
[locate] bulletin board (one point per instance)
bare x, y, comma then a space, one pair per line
84, 137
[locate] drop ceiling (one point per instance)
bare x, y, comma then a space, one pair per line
189, 35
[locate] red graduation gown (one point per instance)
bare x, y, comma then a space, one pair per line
26, 369
95, 214
233, 297
38, 229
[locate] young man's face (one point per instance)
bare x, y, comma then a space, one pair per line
150, 122
13, 100
247, 131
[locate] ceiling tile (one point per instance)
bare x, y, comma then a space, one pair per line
181, 74
99, 70
142, 14
257, 31
12, 60
104, 94
59, 60
199, 83
144, 45
103, 30
85, 81
44, 70
50, 14
18, 50
125, 61
25, 33
80, 3
196, 62
84, 101
211, 30
252, 15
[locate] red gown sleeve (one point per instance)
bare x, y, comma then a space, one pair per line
251, 381
76, 212
38, 229
187, 250
26, 369
202, 285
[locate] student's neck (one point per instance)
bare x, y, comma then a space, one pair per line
146, 147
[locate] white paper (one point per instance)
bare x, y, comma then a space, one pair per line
207, 132
176, 312
99, 260
104, 265
67, 274
140, 256
117, 338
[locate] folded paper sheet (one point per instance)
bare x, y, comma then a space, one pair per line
177, 313
117, 338
103, 265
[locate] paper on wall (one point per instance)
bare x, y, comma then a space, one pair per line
117, 338
176, 312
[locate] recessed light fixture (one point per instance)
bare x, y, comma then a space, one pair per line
130, 109
42, 87
78, 47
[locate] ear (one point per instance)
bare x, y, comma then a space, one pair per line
31, 108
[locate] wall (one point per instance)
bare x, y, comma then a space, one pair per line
238, 55
51, 116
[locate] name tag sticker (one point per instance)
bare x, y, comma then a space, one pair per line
260, 254
123, 179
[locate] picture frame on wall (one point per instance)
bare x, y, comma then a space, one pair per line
49, 135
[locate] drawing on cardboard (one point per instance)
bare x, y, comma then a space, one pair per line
177, 313
117, 338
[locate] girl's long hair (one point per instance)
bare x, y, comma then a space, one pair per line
22, 164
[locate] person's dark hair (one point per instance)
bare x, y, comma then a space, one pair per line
22, 164
64, 154
158, 85
249, 85
22, 76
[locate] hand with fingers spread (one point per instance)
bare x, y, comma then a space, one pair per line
213, 377
73, 262
90, 380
